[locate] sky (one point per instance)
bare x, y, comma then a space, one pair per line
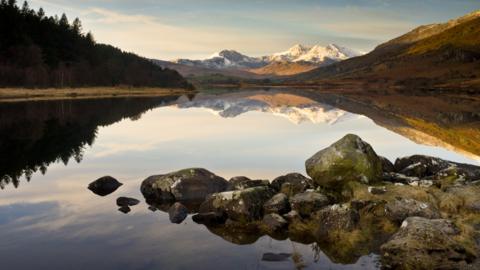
195, 29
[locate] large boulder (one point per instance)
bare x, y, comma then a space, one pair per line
426, 244
308, 202
277, 204
185, 185
292, 183
104, 185
349, 159
401, 208
240, 205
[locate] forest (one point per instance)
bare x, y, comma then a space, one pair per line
38, 51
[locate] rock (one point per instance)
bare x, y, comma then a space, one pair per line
387, 165
402, 208
185, 185
377, 190
277, 204
425, 244
436, 168
338, 218
275, 257
458, 199
292, 183
349, 159
126, 201
104, 185
241, 182
292, 216
398, 178
308, 202
274, 222
237, 180
124, 209
177, 213
240, 205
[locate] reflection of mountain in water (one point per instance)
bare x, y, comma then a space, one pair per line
36, 134
294, 108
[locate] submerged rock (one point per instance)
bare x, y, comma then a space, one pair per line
177, 213
292, 183
426, 244
241, 205
184, 185
308, 202
277, 204
402, 208
349, 159
104, 185
126, 201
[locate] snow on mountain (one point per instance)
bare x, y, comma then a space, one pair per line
317, 54
225, 59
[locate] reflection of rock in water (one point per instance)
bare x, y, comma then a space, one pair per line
275, 257
35, 134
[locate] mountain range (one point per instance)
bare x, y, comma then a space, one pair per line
299, 58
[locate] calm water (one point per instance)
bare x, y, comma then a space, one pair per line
51, 151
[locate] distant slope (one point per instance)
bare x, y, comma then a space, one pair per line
40, 51
284, 68
449, 54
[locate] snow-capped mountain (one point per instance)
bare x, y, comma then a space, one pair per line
318, 55
315, 54
225, 59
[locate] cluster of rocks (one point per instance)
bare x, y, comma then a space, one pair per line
106, 185
418, 213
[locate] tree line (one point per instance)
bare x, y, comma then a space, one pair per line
37, 51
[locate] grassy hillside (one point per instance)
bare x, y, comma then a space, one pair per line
447, 56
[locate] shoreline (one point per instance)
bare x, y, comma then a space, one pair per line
22, 94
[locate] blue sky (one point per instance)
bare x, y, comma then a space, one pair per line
167, 29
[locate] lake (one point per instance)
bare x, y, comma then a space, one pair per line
52, 150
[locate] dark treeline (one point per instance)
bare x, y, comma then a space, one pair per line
40, 51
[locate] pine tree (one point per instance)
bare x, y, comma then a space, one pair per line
77, 26
25, 8
12, 3
41, 13
64, 21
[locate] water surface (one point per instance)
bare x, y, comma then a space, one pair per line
51, 151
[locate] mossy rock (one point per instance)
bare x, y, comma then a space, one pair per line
349, 159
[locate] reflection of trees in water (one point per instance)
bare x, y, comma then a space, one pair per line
34, 135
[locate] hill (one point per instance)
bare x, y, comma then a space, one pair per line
440, 55
37, 51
